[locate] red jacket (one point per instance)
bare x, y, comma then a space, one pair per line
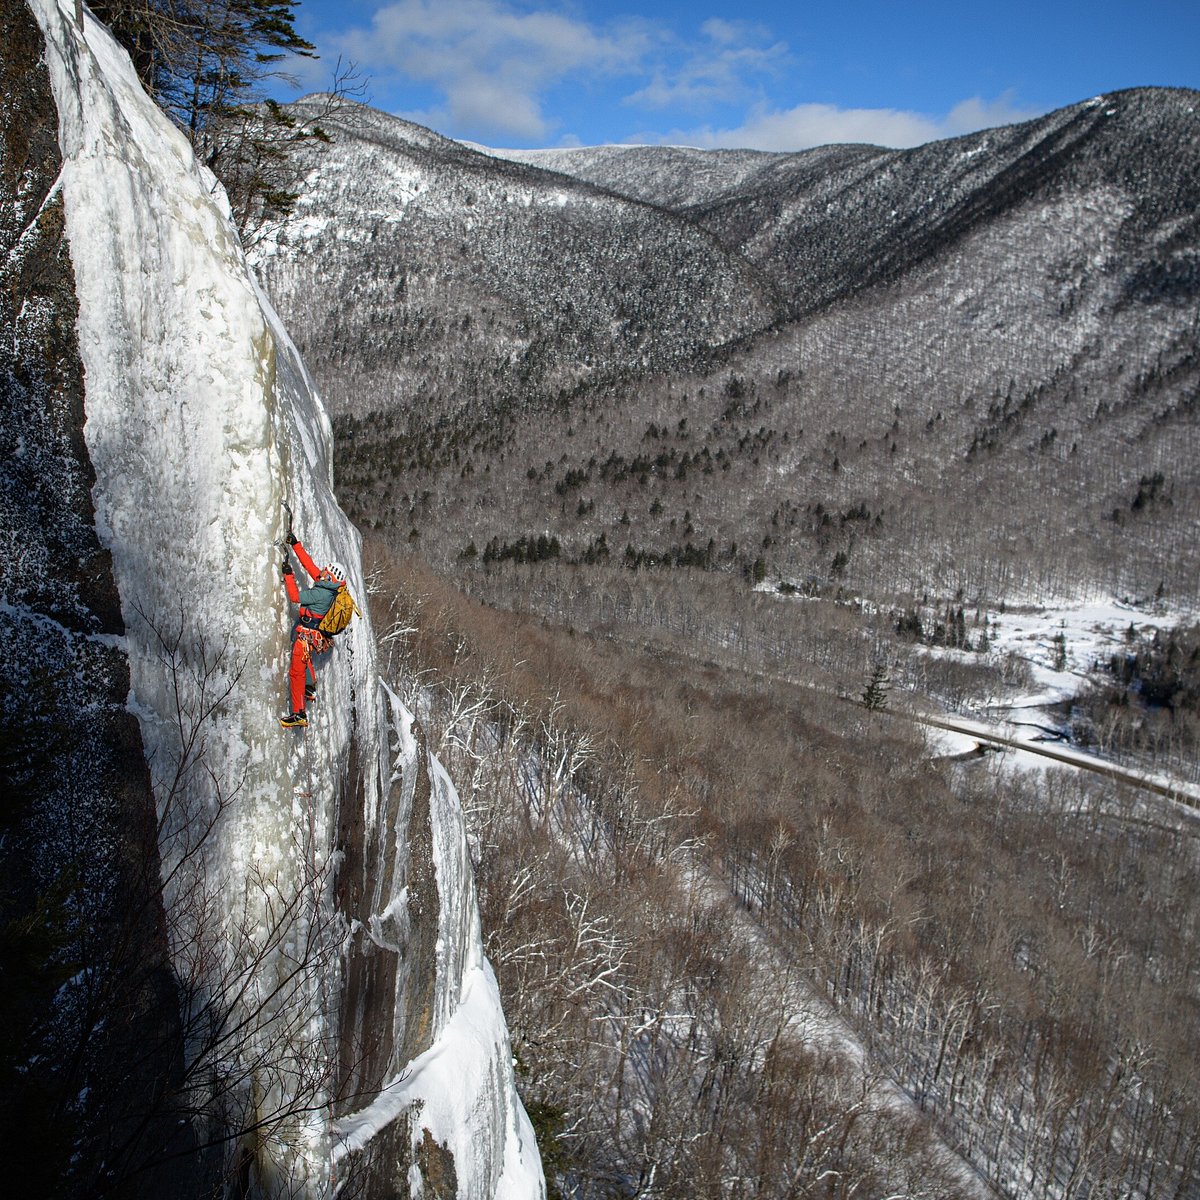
314, 601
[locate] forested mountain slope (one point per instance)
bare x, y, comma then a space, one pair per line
669, 176
974, 384
841, 346
417, 267
826, 222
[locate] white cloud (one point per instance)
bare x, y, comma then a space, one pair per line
494, 61
969, 115
723, 31
721, 69
486, 68
491, 60
809, 125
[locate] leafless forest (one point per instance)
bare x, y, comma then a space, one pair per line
691, 871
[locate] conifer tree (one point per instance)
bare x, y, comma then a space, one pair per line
207, 64
874, 696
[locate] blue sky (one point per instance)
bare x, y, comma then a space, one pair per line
769, 74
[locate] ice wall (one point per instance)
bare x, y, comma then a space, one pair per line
202, 423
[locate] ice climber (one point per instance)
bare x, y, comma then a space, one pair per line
308, 641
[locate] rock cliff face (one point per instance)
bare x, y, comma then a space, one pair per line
82, 930
317, 932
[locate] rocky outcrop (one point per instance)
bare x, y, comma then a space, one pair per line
86, 1099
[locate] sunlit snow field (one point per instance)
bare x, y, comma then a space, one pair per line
1085, 635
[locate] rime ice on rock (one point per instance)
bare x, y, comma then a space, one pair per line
201, 423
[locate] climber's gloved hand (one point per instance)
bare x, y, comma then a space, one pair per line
291, 538
285, 569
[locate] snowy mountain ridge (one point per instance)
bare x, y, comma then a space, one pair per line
202, 424
673, 176
465, 262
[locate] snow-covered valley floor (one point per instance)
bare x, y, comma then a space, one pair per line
1061, 645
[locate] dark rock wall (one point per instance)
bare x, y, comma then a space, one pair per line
390, 974
87, 1018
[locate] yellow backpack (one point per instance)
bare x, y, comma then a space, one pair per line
340, 613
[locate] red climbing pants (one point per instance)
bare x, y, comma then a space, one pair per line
305, 644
